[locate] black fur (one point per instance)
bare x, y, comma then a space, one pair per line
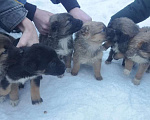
37, 80
32, 61
117, 36
119, 33
37, 101
4, 83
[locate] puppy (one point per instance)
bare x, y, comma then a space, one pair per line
5, 42
119, 33
29, 63
138, 52
62, 26
88, 47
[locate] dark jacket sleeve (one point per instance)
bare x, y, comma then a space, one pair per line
68, 4
31, 10
11, 14
137, 11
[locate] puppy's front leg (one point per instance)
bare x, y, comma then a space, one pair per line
68, 62
35, 92
118, 56
97, 68
142, 68
14, 94
110, 57
76, 66
128, 66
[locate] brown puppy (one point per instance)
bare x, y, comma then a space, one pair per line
88, 47
138, 52
62, 26
119, 33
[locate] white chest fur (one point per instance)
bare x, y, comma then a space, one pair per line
63, 43
22, 80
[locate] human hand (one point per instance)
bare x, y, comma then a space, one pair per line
41, 20
80, 14
29, 34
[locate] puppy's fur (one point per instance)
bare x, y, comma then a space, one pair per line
5, 42
88, 47
138, 52
62, 26
28, 63
119, 33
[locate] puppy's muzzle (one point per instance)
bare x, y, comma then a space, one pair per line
55, 68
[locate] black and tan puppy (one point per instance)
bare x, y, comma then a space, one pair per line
119, 33
138, 52
88, 47
62, 26
5, 42
29, 63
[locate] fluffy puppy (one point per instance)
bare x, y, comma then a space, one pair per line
28, 63
62, 26
138, 52
5, 42
119, 33
88, 47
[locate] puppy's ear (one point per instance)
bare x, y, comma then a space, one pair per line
55, 26
144, 46
85, 30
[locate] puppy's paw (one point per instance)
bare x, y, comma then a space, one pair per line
74, 73
126, 72
14, 102
60, 76
107, 62
99, 78
136, 81
35, 102
2, 99
68, 70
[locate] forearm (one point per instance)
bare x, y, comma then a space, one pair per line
11, 14
137, 11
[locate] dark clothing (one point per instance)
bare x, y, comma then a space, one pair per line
31, 10
11, 14
137, 11
68, 4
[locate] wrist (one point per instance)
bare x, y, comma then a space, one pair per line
74, 10
26, 25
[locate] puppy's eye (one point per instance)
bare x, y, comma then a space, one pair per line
103, 30
4, 52
68, 22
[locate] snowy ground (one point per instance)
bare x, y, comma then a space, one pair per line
82, 97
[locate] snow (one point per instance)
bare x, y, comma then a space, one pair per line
82, 97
